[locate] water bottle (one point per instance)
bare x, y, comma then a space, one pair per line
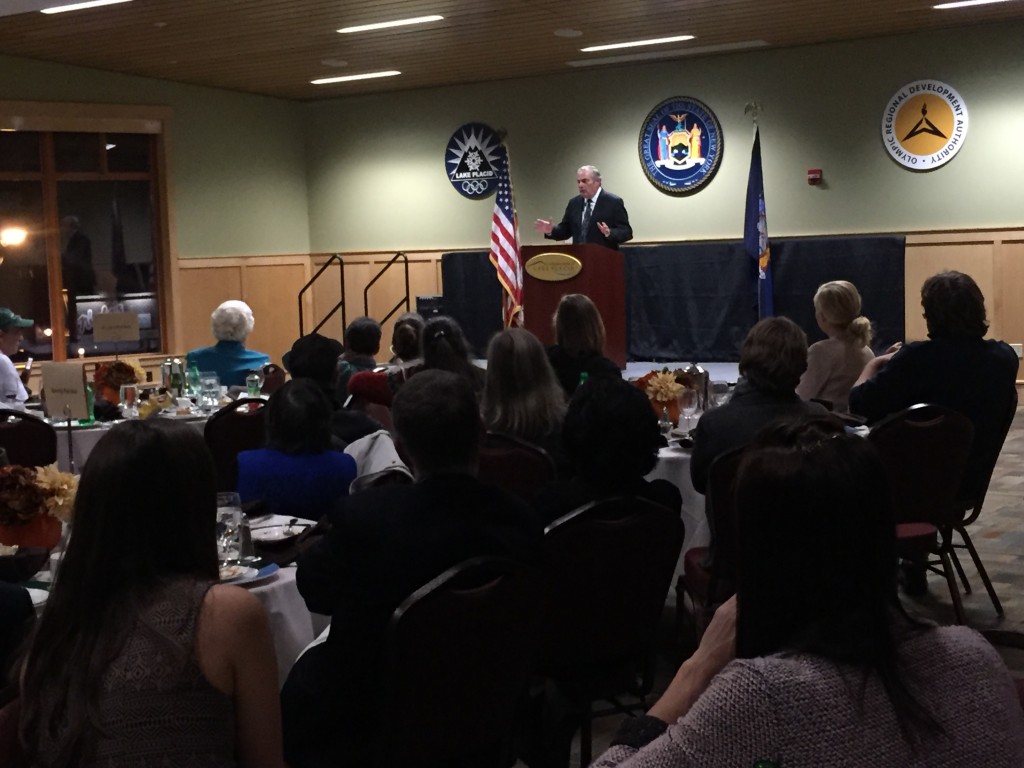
246, 551
252, 385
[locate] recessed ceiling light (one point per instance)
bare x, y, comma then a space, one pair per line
347, 78
667, 53
80, 6
389, 24
965, 3
565, 32
334, 62
637, 43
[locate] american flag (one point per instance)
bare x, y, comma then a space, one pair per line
505, 254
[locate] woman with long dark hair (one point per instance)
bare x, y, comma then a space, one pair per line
815, 662
579, 343
140, 657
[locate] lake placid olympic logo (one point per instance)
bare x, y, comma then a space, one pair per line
471, 160
924, 125
681, 145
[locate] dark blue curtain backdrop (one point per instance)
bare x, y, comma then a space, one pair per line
696, 301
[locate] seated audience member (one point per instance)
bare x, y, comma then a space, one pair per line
772, 359
957, 368
315, 357
443, 347
834, 364
385, 543
231, 322
12, 384
815, 662
362, 343
405, 338
140, 657
521, 394
579, 347
296, 474
611, 437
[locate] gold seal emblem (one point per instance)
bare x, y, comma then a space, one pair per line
924, 125
553, 267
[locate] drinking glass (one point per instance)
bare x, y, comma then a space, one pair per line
130, 400
720, 392
687, 407
209, 383
229, 520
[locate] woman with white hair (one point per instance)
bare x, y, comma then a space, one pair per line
231, 323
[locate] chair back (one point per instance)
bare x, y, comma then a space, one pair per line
27, 439
274, 378
983, 463
239, 426
515, 465
609, 565
457, 659
724, 526
924, 449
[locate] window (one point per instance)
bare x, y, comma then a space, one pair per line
90, 201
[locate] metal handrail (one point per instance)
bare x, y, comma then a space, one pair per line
366, 291
341, 303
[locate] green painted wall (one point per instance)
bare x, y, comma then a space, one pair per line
255, 175
238, 175
376, 163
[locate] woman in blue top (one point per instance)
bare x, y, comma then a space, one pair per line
296, 474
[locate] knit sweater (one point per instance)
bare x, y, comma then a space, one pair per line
803, 711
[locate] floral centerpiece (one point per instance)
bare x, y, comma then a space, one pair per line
109, 377
662, 389
33, 503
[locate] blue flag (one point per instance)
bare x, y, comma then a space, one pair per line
755, 232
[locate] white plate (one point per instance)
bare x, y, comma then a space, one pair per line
277, 532
263, 573
38, 596
234, 573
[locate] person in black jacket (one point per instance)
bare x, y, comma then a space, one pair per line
384, 544
593, 216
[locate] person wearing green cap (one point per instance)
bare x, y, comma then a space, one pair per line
12, 390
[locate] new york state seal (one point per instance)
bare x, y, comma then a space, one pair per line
680, 145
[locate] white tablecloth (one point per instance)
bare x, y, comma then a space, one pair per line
292, 626
674, 466
84, 439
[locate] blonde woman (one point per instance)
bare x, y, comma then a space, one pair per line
834, 364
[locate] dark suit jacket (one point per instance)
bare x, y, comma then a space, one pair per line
384, 544
609, 208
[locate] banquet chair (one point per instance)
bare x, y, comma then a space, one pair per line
609, 566
924, 449
239, 426
27, 439
456, 662
274, 378
515, 465
709, 573
970, 503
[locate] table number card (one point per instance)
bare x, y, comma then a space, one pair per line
64, 387
115, 326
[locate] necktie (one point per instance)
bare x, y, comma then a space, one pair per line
586, 220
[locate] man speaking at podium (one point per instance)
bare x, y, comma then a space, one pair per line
593, 216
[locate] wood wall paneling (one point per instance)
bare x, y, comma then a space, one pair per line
199, 290
272, 290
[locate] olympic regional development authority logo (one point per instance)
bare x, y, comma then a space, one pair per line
471, 160
680, 146
924, 125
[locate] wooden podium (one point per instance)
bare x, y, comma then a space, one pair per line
602, 278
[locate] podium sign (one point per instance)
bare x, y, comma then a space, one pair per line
601, 277
64, 388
